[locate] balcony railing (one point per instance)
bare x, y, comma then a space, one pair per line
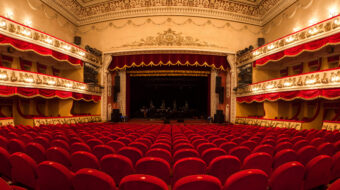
66, 120
270, 122
314, 80
331, 125
6, 121
19, 78
317, 31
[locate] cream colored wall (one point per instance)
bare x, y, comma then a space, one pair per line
42, 17
299, 16
112, 35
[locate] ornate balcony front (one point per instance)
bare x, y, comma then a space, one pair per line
6, 121
66, 120
270, 122
331, 125
20, 78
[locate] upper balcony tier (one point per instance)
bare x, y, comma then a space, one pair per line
309, 39
25, 38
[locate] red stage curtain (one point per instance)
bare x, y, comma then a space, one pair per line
294, 51
149, 60
6, 91
292, 95
25, 46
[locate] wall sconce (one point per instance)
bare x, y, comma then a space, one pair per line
69, 85
3, 76
256, 53
290, 39
67, 47
271, 46
287, 84
51, 82
270, 86
26, 32
3, 24
310, 81
313, 31
28, 79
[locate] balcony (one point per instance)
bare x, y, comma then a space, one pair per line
270, 122
316, 80
6, 121
331, 125
65, 120
20, 78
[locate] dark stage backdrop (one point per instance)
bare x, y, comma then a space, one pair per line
181, 89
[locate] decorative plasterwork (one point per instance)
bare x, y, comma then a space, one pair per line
318, 31
66, 120
316, 80
331, 125
270, 123
239, 11
173, 40
6, 121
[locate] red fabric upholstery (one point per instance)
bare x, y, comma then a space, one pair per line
160, 153
288, 176
253, 179
204, 146
53, 176
185, 153
224, 166
161, 145
142, 182
318, 172
335, 185
227, 146
3, 142
91, 179
4, 185
198, 182
284, 156
299, 144
79, 146
188, 166
326, 149
134, 154
336, 166
36, 151
141, 146
5, 165
240, 151
82, 159
45, 142
60, 155
211, 153
117, 166
267, 148
116, 145
261, 160
15, 145
307, 153
23, 169
154, 166
60, 143
102, 150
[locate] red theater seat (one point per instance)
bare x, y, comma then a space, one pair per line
142, 182
284, 156
79, 146
198, 182
288, 176
318, 172
336, 165
3, 142
91, 179
82, 159
307, 153
188, 166
211, 153
5, 165
94, 142
326, 149
53, 176
240, 151
23, 169
251, 179
60, 155
227, 146
102, 150
335, 185
117, 166
223, 166
15, 145
299, 144
141, 146
204, 146
61, 143
36, 151
117, 145
267, 148
260, 160
160, 153
154, 166
44, 141
185, 153
132, 153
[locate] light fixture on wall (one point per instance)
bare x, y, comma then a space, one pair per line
48, 40
2, 24
67, 47
26, 32
333, 11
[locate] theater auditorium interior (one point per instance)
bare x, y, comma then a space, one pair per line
169, 94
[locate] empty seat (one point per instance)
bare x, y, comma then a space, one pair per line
335, 185
317, 141
240, 151
124, 140
283, 145
15, 145
53, 176
36, 151
260, 160
91, 179
154, 166
211, 153
223, 166
188, 166
117, 166
264, 148
4, 185
204, 146
117, 145
326, 149
180, 146
198, 182
161, 145
141, 146
60, 155
336, 166
250, 144
132, 153
160, 153
299, 144
79, 146
3, 142
82, 159
185, 153
318, 172
228, 146
44, 141
94, 142
287, 176
23, 169
284, 156
142, 182
5, 165
102, 150
307, 153
253, 179
61, 143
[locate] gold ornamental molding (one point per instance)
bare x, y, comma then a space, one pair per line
331, 125
6, 121
148, 73
298, 125
65, 120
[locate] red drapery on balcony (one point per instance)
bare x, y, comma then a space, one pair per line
328, 94
154, 60
26, 46
295, 51
7, 91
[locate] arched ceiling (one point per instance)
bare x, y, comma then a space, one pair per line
83, 12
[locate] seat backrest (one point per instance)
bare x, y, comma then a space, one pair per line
198, 182
318, 171
283, 145
86, 178
188, 166
142, 182
307, 153
4, 185
117, 145
299, 144
240, 151
336, 166
284, 156
3, 142
326, 149
204, 146
82, 159
223, 166
61, 143
132, 153
211, 153
94, 142
5, 165
44, 141
79, 146
117, 166
287, 176
36, 151
335, 185
23, 169
161, 145
260, 160
250, 144
60, 155
102, 150
160, 153
141, 146
264, 148
185, 153
253, 179
15, 145
154, 166
53, 176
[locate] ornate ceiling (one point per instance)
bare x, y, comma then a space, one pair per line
82, 12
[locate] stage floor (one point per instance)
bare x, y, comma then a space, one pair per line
172, 121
